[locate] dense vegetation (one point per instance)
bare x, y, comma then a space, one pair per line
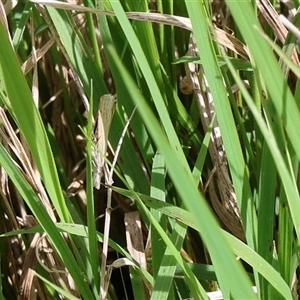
199, 190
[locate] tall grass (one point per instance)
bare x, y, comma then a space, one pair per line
195, 242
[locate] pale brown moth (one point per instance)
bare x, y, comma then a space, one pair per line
107, 105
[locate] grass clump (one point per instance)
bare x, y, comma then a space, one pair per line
200, 192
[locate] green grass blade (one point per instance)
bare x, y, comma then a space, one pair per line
191, 197
275, 82
239, 248
91, 216
45, 221
234, 154
28, 119
157, 191
149, 77
21, 25
266, 210
58, 289
78, 53
164, 279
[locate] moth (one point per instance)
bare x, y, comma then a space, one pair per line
107, 106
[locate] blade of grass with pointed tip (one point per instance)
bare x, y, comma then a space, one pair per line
182, 176
234, 155
239, 248
78, 53
157, 191
28, 119
266, 210
224, 116
45, 221
279, 94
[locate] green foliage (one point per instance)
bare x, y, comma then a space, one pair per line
165, 168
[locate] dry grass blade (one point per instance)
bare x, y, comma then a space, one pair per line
109, 182
52, 263
29, 63
134, 238
57, 39
271, 16
222, 37
3, 18
227, 216
9, 5
35, 82
29, 171
290, 26
273, 19
27, 284
28, 261
227, 209
14, 143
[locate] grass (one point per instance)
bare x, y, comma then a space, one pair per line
217, 214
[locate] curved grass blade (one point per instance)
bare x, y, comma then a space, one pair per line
239, 248
28, 119
45, 221
182, 178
